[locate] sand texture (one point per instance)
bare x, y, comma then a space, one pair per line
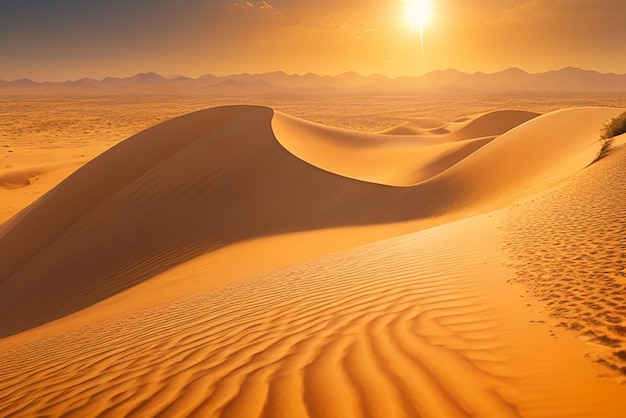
240, 262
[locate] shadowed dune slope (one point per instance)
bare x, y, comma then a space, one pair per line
422, 325
214, 177
534, 155
554, 145
398, 160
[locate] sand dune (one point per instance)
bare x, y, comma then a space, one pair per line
448, 160
492, 123
415, 126
488, 124
405, 327
397, 160
572, 257
211, 178
32, 175
424, 324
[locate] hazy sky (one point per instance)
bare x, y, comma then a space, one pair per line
69, 39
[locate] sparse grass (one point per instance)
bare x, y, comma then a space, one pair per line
614, 127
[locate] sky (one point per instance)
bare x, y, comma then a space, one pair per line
57, 40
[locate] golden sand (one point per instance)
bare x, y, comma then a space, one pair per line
242, 262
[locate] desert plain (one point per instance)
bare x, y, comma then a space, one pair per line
287, 256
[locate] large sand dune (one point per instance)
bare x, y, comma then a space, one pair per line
239, 261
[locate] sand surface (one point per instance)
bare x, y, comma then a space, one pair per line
241, 261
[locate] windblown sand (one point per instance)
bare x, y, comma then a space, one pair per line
241, 261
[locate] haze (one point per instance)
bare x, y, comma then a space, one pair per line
69, 39
282, 231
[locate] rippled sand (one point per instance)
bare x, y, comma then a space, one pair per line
240, 261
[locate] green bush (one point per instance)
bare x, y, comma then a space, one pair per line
614, 127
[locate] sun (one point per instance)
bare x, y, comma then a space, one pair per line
418, 13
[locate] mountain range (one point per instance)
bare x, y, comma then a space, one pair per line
513, 79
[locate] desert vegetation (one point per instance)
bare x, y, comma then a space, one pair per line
614, 127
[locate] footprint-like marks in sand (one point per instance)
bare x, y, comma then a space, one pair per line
569, 248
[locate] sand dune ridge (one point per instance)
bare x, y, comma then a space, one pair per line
117, 299
201, 181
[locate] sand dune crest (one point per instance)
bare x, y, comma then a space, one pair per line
427, 323
211, 178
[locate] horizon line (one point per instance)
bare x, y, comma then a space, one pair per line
174, 76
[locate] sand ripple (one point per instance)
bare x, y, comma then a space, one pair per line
420, 325
371, 332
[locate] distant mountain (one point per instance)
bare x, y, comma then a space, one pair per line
445, 77
23, 82
567, 79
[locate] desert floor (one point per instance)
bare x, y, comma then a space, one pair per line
445, 256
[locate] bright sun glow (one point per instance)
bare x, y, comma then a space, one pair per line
418, 13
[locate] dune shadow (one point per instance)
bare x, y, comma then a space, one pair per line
167, 195
215, 177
